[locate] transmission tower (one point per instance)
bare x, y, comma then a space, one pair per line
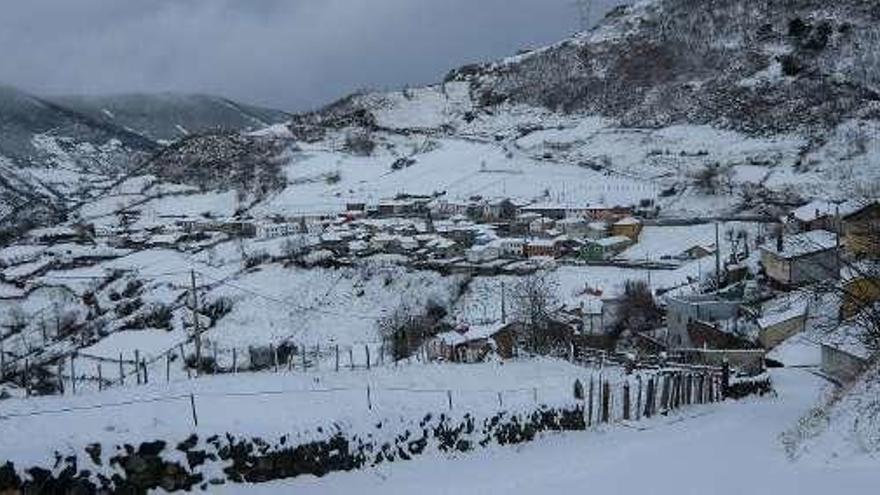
585, 10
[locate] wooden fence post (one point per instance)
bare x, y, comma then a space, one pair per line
303, 356
274, 352
700, 397
167, 368
664, 395
192, 405
674, 395
234, 360
121, 371
27, 378
351, 358
369, 399
137, 365
449, 398
100, 378
367, 350
626, 401
590, 414
606, 409
337, 358
639, 399
500, 401
649, 397
144, 365
72, 374
61, 376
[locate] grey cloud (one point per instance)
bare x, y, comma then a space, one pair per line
288, 54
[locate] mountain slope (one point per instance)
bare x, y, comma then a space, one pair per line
24, 117
169, 116
759, 67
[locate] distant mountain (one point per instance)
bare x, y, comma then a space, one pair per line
56, 152
50, 153
25, 119
170, 116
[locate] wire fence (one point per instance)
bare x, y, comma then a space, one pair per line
604, 397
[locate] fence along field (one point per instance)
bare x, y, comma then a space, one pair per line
605, 395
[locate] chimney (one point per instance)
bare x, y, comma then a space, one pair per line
779, 243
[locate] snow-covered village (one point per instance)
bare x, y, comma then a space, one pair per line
640, 258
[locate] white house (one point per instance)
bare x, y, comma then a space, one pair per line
482, 254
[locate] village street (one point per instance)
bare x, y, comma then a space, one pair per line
730, 448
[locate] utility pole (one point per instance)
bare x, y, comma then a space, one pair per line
717, 258
197, 332
585, 8
837, 227
503, 304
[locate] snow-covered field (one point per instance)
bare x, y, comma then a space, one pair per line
271, 405
732, 448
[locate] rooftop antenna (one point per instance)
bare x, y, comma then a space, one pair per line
585, 9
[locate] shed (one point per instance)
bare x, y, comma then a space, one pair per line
802, 258
778, 324
844, 354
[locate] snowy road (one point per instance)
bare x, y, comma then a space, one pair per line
728, 449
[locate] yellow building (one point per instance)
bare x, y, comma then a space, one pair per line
628, 227
859, 291
861, 231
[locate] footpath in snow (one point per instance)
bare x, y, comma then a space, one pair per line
732, 448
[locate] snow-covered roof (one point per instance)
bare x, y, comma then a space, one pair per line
794, 246
542, 242
821, 208
572, 221
849, 339
470, 334
783, 314
628, 221
612, 241
813, 210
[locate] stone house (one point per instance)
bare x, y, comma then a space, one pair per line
815, 215
472, 343
778, 324
801, 258
844, 354
682, 310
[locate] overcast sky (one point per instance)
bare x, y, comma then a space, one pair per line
288, 54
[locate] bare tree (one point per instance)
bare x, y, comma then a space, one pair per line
638, 311
712, 178
533, 302
294, 247
407, 327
